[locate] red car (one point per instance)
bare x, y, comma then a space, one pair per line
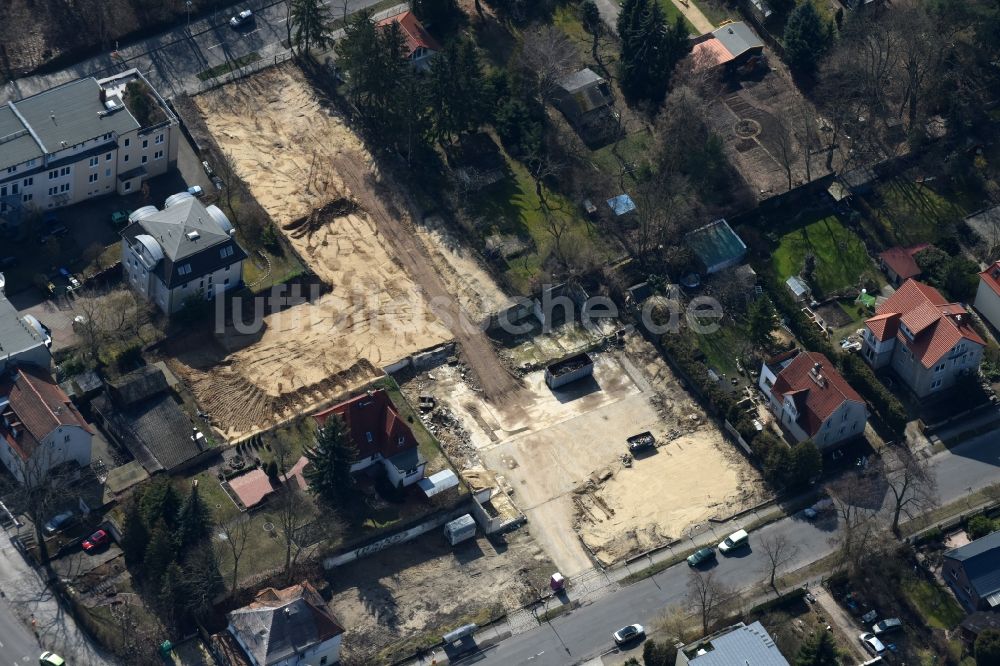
96, 540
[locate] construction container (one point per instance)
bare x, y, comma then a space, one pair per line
569, 370
460, 529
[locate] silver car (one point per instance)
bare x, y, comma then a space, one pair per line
872, 644
241, 18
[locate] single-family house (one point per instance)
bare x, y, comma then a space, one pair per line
731, 47
716, 246
288, 627
187, 251
811, 400
585, 98
381, 436
40, 427
927, 341
140, 414
987, 301
420, 47
972, 572
900, 264
733, 646
23, 340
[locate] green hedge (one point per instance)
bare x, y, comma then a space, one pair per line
786, 599
887, 406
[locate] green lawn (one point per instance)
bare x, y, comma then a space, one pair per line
840, 255
632, 149
512, 208
938, 608
671, 12
722, 347
913, 213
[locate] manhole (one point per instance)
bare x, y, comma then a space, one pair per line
747, 128
268, 527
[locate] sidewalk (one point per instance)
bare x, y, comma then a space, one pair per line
694, 15
28, 596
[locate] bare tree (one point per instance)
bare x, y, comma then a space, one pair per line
779, 552
43, 479
290, 515
857, 499
912, 487
784, 139
546, 55
707, 597
234, 535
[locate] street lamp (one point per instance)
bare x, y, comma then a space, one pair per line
187, 4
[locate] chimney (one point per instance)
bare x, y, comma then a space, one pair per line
104, 95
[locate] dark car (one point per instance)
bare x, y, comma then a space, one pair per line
59, 522
701, 555
96, 540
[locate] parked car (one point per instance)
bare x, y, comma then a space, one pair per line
208, 169
630, 633
96, 540
196, 191
887, 626
59, 522
872, 643
51, 659
241, 19
701, 555
737, 539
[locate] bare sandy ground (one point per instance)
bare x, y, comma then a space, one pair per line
291, 152
561, 453
426, 586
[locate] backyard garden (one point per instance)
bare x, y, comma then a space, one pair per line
831, 256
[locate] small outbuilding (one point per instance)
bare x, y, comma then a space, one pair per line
717, 246
585, 98
568, 370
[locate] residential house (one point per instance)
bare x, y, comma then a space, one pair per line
39, 425
186, 251
899, 263
23, 340
731, 48
420, 47
733, 646
83, 139
811, 400
972, 572
380, 436
716, 246
287, 627
988, 294
927, 341
585, 98
140, 413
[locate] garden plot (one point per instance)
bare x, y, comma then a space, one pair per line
561, 454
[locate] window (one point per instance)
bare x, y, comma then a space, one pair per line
128, 183
107, 136
31, 163
12, 169
368, 435
64, 187
936, 384
27, 197
64, 171
93, 161
66, 439
184, 270
107, 173
53, 190
3, 207
125, 159
939, 367
158, 154
92, 178
127, 143
159, 138
3, 191
145, 143
107, 158
144, 159
322, 662
227, 281
53, 174
28, 182
14, 188
226, 251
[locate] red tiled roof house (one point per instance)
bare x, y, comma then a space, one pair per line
380, 435
926, 340
39, 426
988, 294
419, 45
899, 263
811, 399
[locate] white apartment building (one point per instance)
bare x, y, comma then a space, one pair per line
80, 140
185, 251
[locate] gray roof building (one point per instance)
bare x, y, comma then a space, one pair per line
738, 644
60, 118
717, 246
738, 39
973, 572
585, 99
22, 340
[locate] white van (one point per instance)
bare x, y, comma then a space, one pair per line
737, 539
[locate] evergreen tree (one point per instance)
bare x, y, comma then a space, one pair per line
762, 320
458, 90
806, 39
781, 6
160, 502
310, 24
819, 651
329, 471
806, 464
661, 653
170, 595
987, 648
194, 521
649, 50
202, 582
434, 12
136, 535
161, 551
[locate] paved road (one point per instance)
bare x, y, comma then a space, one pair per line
586, 632
173, 59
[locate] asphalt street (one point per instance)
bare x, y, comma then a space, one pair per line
172, 60
586, 632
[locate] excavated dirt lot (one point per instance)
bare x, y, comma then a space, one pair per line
426, 587
312, 174
561, 454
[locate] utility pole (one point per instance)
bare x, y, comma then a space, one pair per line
187, 5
